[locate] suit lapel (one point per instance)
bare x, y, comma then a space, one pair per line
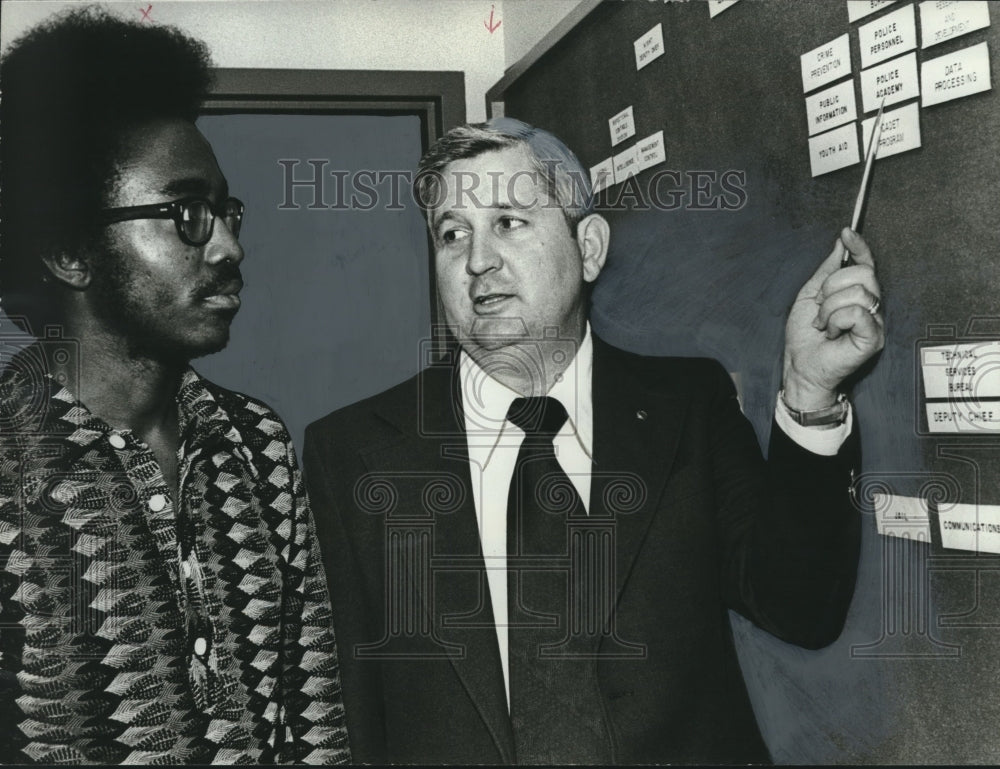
636, 433
434, 453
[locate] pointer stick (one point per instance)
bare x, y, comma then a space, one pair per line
859, 203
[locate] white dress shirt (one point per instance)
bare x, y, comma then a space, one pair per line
494, 442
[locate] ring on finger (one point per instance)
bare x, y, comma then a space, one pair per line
876, 303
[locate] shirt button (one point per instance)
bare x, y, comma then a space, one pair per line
157, 502
200, 646
61, 494
116, 440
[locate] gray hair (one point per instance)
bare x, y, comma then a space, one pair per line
566, 180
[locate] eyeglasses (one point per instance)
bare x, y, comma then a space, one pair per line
194, 217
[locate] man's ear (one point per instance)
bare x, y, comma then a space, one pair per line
593, 235
72, 270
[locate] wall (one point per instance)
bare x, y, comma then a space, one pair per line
330, 34
528, 21
344, 34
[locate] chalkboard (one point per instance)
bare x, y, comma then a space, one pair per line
690, 279
314, 332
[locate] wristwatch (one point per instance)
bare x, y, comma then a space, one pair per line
831, 415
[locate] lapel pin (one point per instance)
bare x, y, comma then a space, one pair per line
640, 414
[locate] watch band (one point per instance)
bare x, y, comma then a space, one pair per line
831, 415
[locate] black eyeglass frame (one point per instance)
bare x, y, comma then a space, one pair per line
175, 210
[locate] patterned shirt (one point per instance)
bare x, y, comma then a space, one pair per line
138, 628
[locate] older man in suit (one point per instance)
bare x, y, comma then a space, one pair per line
536, 540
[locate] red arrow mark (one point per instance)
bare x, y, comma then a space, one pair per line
490, 25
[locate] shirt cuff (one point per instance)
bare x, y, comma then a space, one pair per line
824, 441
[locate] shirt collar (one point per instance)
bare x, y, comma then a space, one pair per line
202, 418
486, 401
36, 403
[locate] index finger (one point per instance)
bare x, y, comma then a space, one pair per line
826, 268
855, 249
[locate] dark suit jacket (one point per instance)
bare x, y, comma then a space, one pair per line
702, 524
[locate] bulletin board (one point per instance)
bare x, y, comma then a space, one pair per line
714, 272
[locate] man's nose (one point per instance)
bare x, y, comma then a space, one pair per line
223, 245
483, 255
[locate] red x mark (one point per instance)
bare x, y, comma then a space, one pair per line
145, 13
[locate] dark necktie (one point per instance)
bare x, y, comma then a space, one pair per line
554, 699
